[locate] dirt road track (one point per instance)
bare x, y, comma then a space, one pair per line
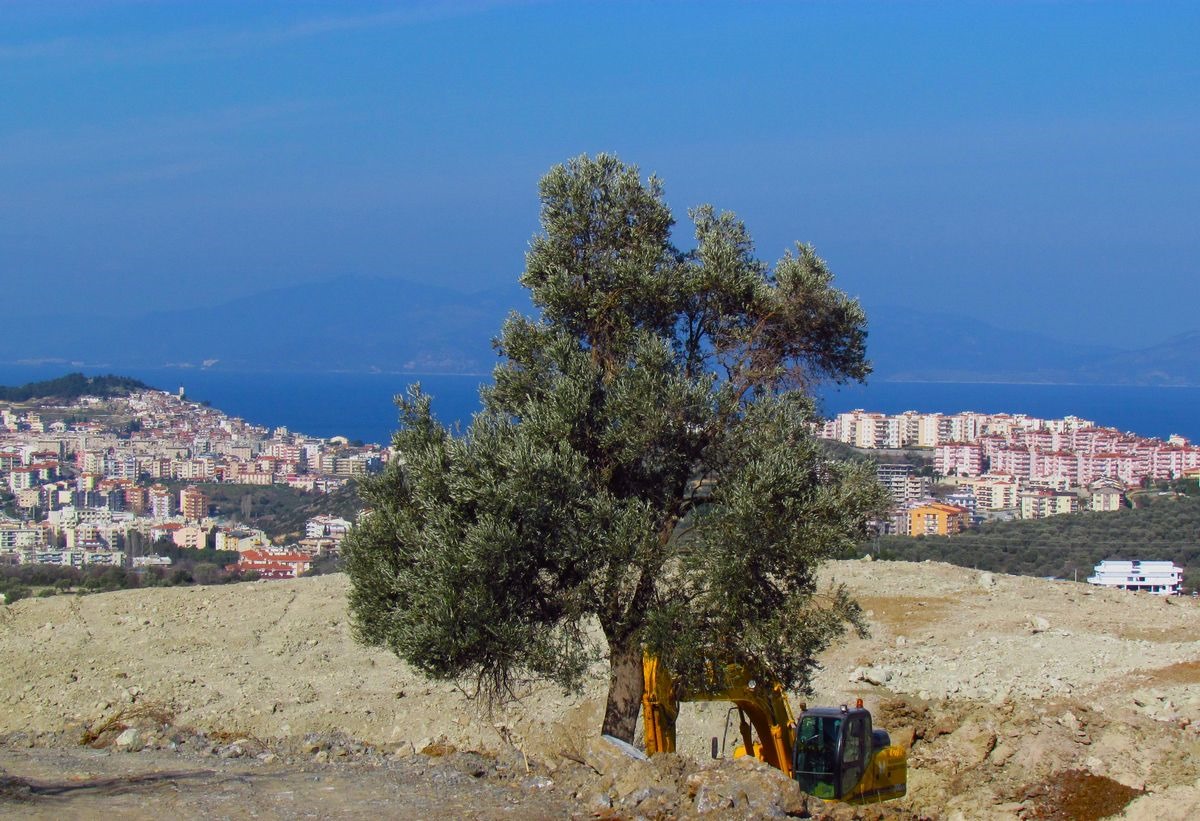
87, 784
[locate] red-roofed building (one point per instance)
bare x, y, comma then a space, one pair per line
166, 529
272, 565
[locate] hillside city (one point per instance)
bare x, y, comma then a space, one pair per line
90, 479
103, 481
1006, 466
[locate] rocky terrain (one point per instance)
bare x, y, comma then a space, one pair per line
1019, 698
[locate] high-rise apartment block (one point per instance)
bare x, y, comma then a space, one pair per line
193, 504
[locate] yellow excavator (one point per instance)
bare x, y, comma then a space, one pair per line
832, 752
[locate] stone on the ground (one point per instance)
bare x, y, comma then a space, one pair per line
129, 740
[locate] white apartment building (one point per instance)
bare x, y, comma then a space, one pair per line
994, 491
928, 430
901, 483
1159, 578
1106, 499
16, 535
958, 460
326, 526
1040, 504
72, 558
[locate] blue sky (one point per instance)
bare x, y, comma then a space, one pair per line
1034, 165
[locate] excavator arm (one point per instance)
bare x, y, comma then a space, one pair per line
762, 705
841, 756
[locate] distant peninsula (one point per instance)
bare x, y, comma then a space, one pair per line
73, 386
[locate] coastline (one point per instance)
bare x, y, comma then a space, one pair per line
359, 404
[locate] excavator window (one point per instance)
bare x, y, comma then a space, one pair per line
816, 764
853, 754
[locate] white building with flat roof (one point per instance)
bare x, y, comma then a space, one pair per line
1159, 578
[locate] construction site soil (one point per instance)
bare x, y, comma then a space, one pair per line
1018, 698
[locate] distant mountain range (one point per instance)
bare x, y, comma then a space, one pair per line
363, 324
906, 345
348, 323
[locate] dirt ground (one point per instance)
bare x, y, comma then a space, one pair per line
79, 783
1020, 698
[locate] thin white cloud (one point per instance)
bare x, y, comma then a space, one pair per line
217, 41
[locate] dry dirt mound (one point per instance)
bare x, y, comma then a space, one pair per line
1004, 686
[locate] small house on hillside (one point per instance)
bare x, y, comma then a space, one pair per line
1159, 578
270, 564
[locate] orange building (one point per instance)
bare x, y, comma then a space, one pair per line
193, 503
937, 519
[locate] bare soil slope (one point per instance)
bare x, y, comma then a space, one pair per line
1019, 697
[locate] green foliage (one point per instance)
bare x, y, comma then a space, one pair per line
188, 567
1186, 487
778, 511
177, 554
108, 578
644, 462
324, 565
278, 510
13, 592
73, 386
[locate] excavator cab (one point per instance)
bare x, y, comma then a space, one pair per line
838, 756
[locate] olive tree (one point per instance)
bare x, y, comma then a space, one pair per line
643, 463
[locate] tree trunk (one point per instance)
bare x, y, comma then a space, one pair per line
624, 689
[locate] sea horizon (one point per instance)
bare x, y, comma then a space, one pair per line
359, 404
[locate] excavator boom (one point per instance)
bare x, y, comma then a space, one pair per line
762, 704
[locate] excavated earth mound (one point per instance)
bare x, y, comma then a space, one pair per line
1018, 698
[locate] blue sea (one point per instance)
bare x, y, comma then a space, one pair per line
360, 405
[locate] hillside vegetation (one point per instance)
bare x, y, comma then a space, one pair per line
73, 386
1161, 527
278, 510
188, 566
